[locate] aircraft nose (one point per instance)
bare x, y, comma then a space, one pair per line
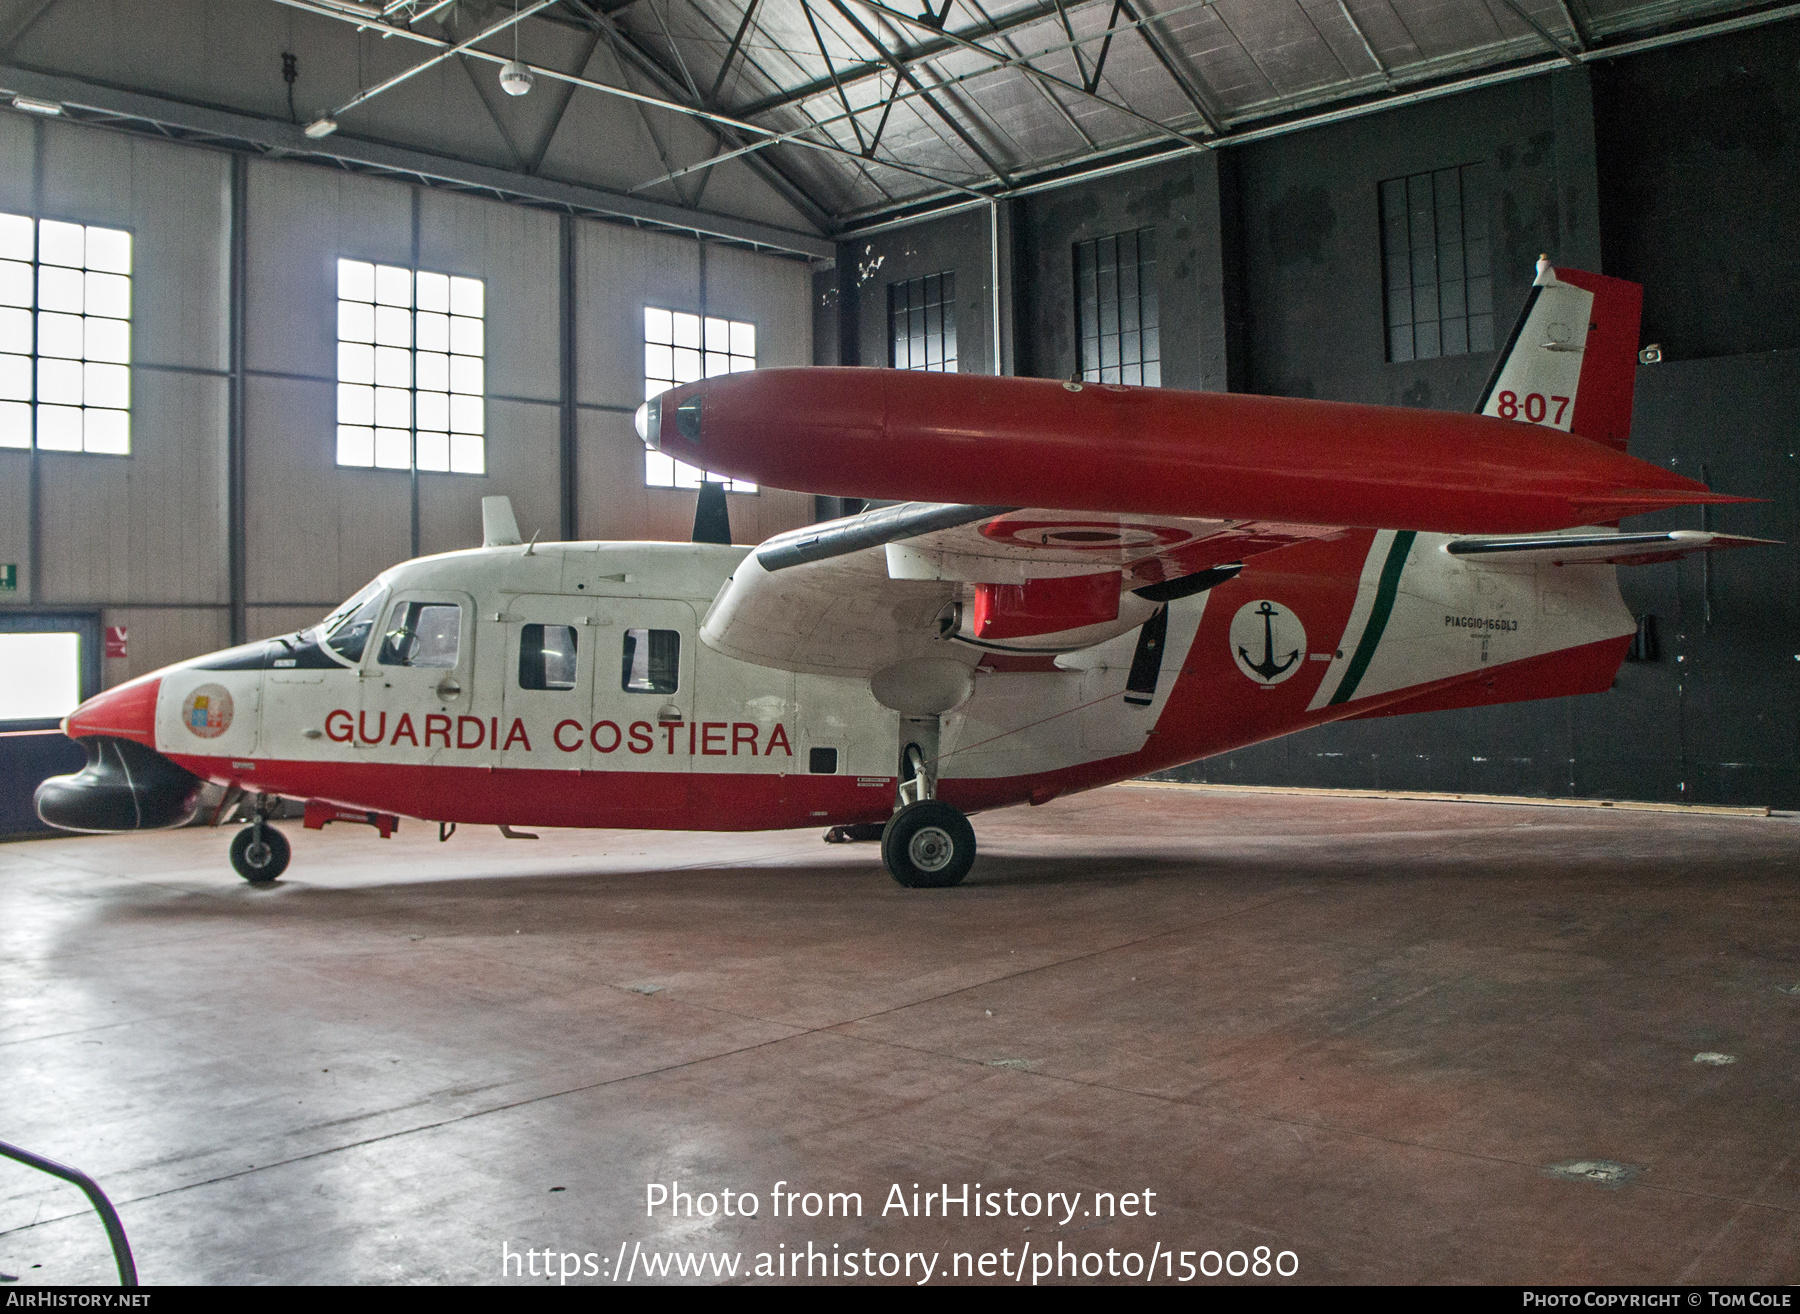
127, 712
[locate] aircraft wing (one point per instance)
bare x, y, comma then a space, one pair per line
854, 596
1589, 548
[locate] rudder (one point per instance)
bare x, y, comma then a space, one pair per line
1571, 361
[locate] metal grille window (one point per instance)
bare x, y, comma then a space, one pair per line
1115, 309
679, 348
1434, 247
411, 352
922, 324
65, 336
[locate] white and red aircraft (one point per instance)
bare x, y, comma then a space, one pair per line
1077, 584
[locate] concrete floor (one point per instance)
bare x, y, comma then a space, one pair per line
1360, 1031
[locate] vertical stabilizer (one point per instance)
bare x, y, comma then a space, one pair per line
499, 527
1572, 358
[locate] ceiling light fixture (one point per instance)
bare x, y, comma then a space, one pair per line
321, 128
515, 78
32, 105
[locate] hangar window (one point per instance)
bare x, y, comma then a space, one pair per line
680, 348
65, 336
40, 676
1434, 249
922, 323
652, 662
411, 365
547, 657
422, 634
1115, 309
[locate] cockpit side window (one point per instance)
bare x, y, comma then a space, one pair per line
346, 631
422, 634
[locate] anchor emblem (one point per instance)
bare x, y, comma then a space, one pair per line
1279, 630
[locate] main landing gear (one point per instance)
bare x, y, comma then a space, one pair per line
927, 844
260, 853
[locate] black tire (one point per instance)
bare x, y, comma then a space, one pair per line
928, 845
260, 864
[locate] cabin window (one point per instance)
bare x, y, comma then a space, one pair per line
411, 369
1115, 309
547, 657
680, 348
922, 324
1434, 248
422, 634
65, 336
652, 662
822, 761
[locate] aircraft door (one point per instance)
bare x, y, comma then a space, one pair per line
419, 700
643, 708
549, 683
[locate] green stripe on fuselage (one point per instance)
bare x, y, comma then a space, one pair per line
1378, 616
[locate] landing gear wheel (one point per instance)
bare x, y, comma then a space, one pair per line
928, 845
260, 857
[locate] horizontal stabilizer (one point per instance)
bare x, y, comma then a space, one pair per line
1597, 549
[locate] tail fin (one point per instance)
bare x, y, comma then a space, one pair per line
1572, 357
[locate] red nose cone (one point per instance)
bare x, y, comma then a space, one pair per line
128, 712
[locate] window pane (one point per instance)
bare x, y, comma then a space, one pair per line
743, 339
62, 244
62, 289
356, 280
59, 428
465, 336
651, 661
433, 292
59, 382
465, 414
40, 675
659, 361
15, 377
109, 250
741, 363
393, 326
468, 454
60, 335
393, 286
687, 330
654, 386
718, 334
107, 385
422, 634
393, 367
108, 339
434, 332
393, 408
688, 476
356, 322
434, 371
356, 362
17, 237
432, 410
356, 445
466, 375
547, 657
393, 449
659, 470
658, 325
108, 432
15, 284
433, 450
467, 297
687, 365
109, 295
356, 404
15, 424
717, 364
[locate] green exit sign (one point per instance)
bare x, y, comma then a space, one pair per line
9, 578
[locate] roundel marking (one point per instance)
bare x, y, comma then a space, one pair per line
1268, 642
207, 711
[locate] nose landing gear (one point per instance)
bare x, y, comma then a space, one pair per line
260, 853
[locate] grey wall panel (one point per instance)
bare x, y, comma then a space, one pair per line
958, 244
300, 221
521, 463
315, 531
157, 636
617, 272
15, 522
149, 527
18, 167
515, 251
771, 293
176, 202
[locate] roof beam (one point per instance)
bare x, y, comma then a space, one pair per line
1524, 16
236, 131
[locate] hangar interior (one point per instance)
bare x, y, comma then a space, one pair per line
287, 286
